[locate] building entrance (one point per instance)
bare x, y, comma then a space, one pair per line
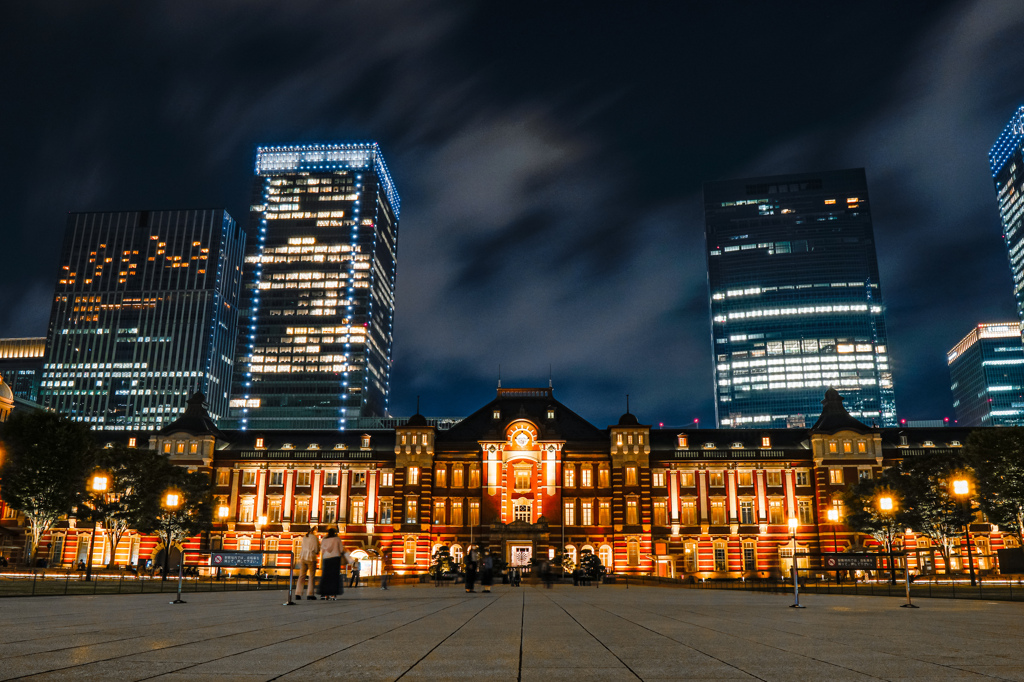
520, 555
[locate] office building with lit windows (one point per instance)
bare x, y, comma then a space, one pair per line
21, 365
1006, 161
314, 348
796, 305
986, 374
145, 313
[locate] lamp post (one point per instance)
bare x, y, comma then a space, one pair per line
794, 523
833, 518
962, 489
887, 506
97, 485
172, 501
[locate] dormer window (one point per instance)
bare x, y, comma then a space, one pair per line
497, 414
928, 444
766, 441
287, 446
313, 446
682, 440
955, 444
551, 413
709, 446
340, 446
737, 445
366, 441
903, 441
131, 442
260, 443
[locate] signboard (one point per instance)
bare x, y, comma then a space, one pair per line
236, 559
841, 562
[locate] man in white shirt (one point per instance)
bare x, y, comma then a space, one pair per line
307, 563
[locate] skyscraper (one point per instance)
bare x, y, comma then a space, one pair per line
21, 365
796, 304
986, 374
1006, 161
145, 313
315, 347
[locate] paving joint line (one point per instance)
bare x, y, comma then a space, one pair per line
522, 636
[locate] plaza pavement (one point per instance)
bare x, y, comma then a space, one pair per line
529, 633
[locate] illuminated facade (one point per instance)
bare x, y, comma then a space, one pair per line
525, 476
21, 365
145, 312
796, 304
986, 373
314, 349
1006, 161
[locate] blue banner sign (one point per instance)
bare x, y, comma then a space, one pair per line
236, 559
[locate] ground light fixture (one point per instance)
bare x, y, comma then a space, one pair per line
833, 518
172, 500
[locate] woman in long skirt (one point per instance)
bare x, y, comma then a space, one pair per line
332, 553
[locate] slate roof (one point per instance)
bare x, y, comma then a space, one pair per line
834, 416
195, 420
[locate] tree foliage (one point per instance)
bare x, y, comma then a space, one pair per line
865, 515
138, 479
442, 562
590, 564
47, 460
997, 458
931, 508
192, 516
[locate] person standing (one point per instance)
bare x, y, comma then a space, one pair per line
385, 561
307, 563
471, 562
487, 571
354, 582
332, 554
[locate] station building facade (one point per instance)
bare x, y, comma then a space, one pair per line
525, 476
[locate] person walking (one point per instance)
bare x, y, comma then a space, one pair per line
332, 553
307, 563
487, 572
385, 561
354, 582
472, 557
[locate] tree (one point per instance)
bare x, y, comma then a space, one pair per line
590, 564
193, 515
929, 506
997, 457
865, 514
137, 481
46, 463
442, 562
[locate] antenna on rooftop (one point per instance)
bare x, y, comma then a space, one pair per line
550, 384
627, 403
499, 376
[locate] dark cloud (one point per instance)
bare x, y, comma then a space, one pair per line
549, 158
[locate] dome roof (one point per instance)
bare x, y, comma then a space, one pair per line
628, 419
417, 420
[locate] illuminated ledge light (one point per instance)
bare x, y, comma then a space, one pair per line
803, 310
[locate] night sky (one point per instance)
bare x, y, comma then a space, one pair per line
549, 157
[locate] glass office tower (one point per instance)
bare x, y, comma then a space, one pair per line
1006, 161
986, 374
319, 288
21, 365
145, 313
796, 305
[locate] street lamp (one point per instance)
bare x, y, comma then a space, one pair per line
962, 489
794, 523
97, 485
171, 502
887, 505
833, 518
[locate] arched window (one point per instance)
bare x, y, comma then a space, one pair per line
587, 548
606, 555
633, 552
456, 552
570, 550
